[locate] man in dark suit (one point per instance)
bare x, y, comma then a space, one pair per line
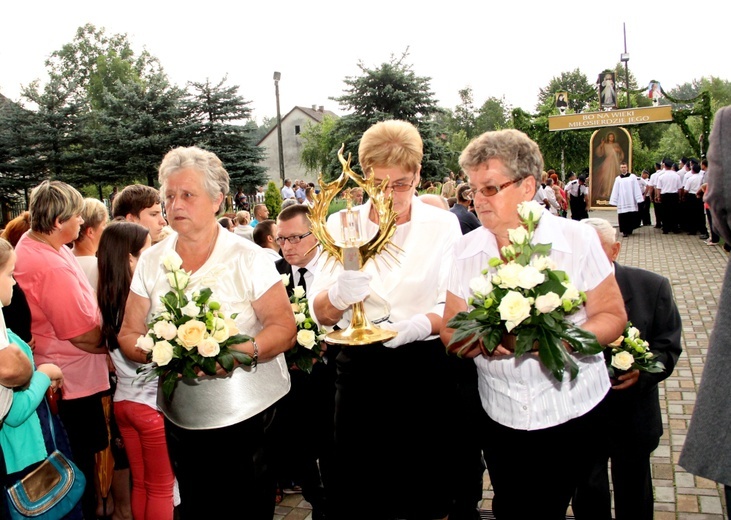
310, 401
632, 406
467, 220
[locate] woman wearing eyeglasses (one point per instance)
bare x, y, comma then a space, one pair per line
535, 427
227, 413
393, 400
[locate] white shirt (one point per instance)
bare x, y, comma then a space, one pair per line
521, 393
287, 193
626, 194
244, 230
551, 196
416, 281
693, 184
669, 183
238, 273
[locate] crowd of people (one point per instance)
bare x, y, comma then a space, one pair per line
387, 422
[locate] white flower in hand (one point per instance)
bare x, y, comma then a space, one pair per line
191, 333
481, 285
514, 308
165, 330
542, 263
529, 277
299, 318
530, 210
190, 309
571, 292
172, 261
219, 330
209, 347
509, 275
178, 279
546, 303
298, 292
162, 353
518, 235
145, 343
306, 338
633, 333
285, 279
623, 360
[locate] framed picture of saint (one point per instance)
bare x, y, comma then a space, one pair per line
609, 147
607, 90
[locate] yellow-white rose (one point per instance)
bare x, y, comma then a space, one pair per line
530, 210
514, 308
145, 343
190, 309
481, 285
191, 333
507, 251
509, 275
546, 303
299, 318
518, 235
295, 307
285, 279
162, 353
298, 292
633, 333
529, 277
306, 338
208, 347
219, 330
617, 342
622, 360
542, 263
233, 329
172, 261
165, 330
571, 292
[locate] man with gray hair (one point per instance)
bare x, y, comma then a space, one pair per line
632, 406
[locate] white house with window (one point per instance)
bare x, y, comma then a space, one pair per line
293, 123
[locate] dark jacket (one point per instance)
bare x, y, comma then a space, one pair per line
467, 220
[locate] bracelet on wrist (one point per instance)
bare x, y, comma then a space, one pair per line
255, 356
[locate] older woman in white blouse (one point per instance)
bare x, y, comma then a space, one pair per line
535, 427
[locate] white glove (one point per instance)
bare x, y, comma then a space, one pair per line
416, 329
351, 287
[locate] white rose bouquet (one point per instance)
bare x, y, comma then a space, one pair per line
523, 300
307, 349
629, 352
192, 332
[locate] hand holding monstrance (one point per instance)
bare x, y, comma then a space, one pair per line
354, 250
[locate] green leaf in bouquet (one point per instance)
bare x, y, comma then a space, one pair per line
236, 340
542, 249
205, 295
241, 357
580, 340
208, 365
168, 384
525, 340
226, 360
556, 358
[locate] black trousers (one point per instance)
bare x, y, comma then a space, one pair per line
542, 461
645, 212
670, 213
223, 472
393, 411
658, 213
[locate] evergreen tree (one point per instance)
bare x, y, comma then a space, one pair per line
217, 115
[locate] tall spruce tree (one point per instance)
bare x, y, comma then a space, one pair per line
217, 121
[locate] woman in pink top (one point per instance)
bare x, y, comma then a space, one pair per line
65, 321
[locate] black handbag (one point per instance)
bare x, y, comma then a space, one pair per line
48, 492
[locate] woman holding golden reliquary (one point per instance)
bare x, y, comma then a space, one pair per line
535, 426
393, 399
208, 416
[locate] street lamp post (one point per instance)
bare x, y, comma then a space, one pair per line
624, 57
277, 77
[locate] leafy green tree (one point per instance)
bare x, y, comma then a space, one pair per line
319, 143
217, 115
136, 124
392, 91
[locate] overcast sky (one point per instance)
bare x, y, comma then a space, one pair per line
511, 49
